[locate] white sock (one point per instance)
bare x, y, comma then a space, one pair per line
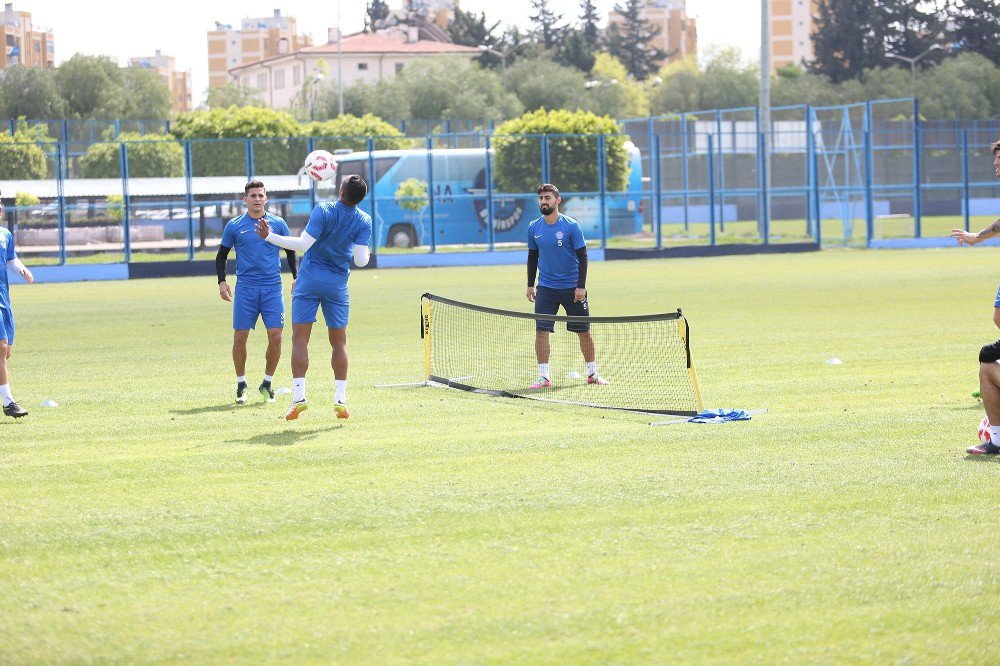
298, 389
268, 378
591, 368
242, 379
340, 392
5, 394
543, 370
994, 432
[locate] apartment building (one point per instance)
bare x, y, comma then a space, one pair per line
792, 25
255, 39
23, 43
179, 83
678, 36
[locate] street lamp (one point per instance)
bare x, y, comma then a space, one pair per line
503, 60
595, 83
313, 81
913, 64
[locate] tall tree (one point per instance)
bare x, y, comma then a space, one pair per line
976, 27
578, 45
630, 42
588, 20
911, 28
547, 30
30, 92
233, 94
85, 80
468, 29
375, 11
850, 37
144, 95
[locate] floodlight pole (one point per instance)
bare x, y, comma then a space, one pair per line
340, 64
913, 65
764, 125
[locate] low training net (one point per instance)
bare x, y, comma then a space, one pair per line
646, 359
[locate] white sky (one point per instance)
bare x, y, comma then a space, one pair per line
178, 28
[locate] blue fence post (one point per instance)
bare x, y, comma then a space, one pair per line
126, 213
722, 173
13, 125
117, 127
685, 174
657, 192
814, 159
546, 171
189, 197
917, 149
965, 178
60, 194
371, 190
430, 190
810, 170
490, 231
602, 188
248, 152
711, 190
869, 194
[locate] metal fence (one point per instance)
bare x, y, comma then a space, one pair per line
837, 175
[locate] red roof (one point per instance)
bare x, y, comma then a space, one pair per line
364, 42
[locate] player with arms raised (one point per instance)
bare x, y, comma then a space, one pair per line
557, 252
258, 286
336, 232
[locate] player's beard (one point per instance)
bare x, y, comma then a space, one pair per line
545, 209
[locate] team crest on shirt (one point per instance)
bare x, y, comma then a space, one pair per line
559, 235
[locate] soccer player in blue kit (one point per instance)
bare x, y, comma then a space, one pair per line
336, 232
10, 408
557, 252
258, 286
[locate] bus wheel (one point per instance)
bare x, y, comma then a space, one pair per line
401, 235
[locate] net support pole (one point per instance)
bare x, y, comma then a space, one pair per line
682, 329
427, 339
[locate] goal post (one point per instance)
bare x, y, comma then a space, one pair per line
645, 358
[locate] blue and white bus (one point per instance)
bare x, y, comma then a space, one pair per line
460, 199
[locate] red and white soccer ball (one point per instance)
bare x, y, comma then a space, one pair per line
320, 165
984, 430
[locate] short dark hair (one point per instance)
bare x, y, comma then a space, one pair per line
252, 185
995, 146
353, 190
549, 187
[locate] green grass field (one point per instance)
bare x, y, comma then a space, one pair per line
149, 519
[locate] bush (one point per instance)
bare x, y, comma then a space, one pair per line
411, 195
149, 156
21, 155
573, 166
25, 199
116, 207
274, 152
352, 132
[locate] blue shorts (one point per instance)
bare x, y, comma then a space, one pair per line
548, 300
309, 295
996, 301
251, 302
7, 325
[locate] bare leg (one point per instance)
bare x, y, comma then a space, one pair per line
542, 349
989, 388
273, 353
240, 351
338, 341
587, 347
4, 355
300, 349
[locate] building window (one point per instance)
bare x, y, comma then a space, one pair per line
297, 75
362, 65
279, 79
399, 67
262, 81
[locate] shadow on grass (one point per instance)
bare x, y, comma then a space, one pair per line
976, 457
227, 407
287, 437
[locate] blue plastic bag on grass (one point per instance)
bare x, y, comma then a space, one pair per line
720, 416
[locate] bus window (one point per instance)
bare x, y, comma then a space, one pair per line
347, 168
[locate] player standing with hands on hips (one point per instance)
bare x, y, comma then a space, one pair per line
336, 233
10, 408
258, 286
557, 252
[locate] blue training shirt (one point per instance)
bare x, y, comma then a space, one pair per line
337, 228
557, 243
7, 254
258, 263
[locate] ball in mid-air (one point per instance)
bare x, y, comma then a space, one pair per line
320, 165
984, 430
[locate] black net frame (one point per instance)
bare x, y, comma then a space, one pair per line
646, 359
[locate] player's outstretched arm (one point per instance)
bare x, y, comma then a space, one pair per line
968, 238
296, 243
